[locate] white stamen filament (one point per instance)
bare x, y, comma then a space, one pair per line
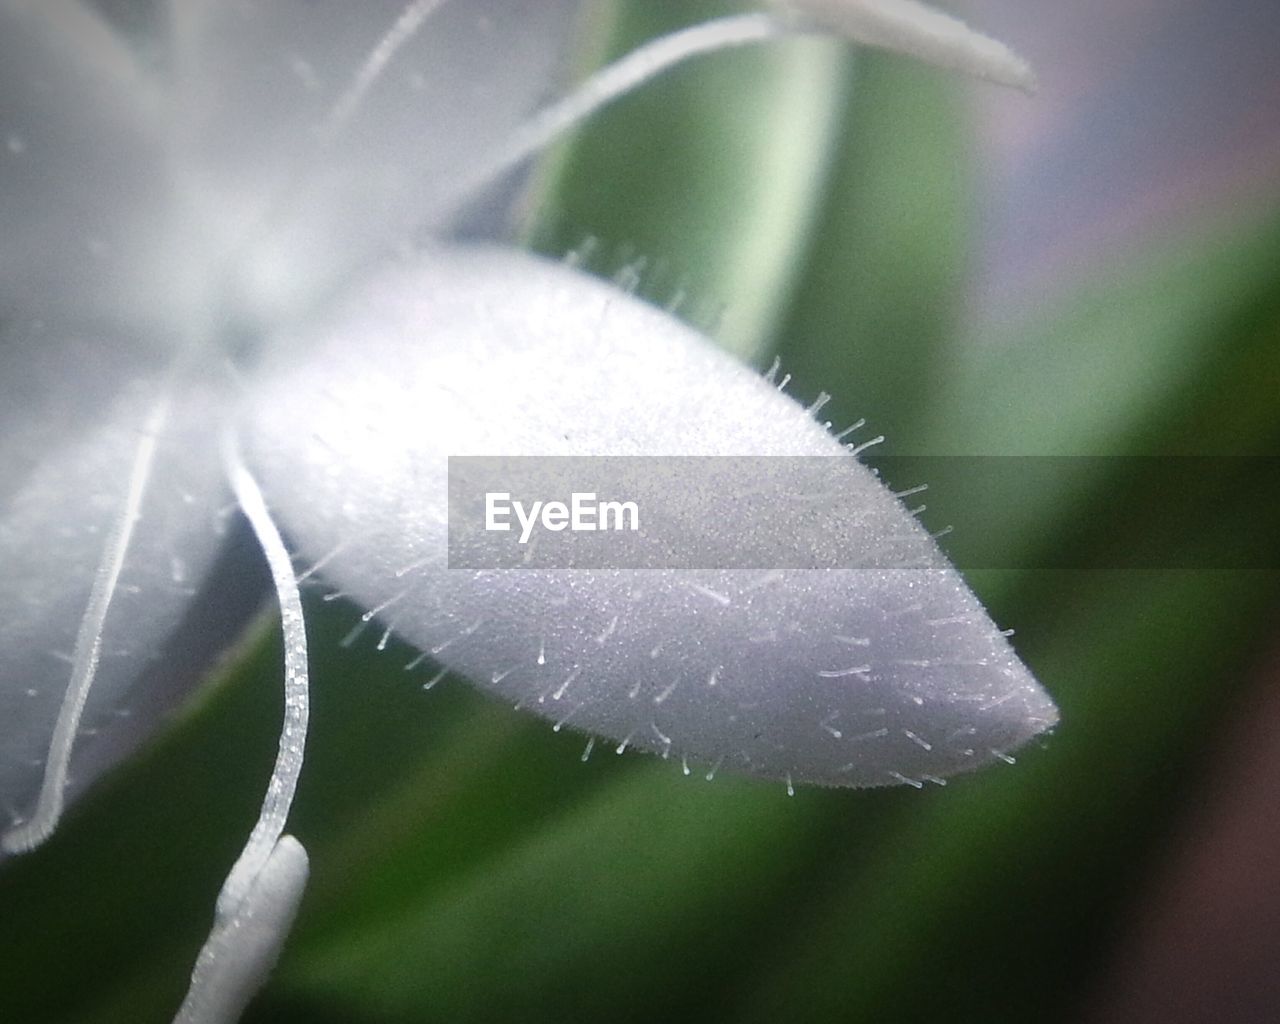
260, 897
293, 732
402, 31
619, 78
904, 26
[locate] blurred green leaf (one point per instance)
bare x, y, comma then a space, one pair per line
1124, 364
713, 174
599, 908
997, 900
1176, 353
884, 273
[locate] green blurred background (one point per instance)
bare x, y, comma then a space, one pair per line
468, 866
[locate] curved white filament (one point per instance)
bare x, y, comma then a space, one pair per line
405, 28
904, 26
619, 78
293, 733
88, 649
260, 897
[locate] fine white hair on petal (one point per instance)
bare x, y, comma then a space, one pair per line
920, 31
486, 351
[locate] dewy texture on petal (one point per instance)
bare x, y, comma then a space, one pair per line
74, 415
845, 677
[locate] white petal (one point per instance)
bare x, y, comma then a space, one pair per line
72, 416
921, 31
259, 83
79, 165
492, 352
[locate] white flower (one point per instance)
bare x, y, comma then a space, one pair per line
169, 208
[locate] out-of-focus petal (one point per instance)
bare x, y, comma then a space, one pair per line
258, 85
72, 416
80, 166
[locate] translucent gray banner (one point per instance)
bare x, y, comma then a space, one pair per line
838, 512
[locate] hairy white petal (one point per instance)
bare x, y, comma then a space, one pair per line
921, 31
73, 419
493, 352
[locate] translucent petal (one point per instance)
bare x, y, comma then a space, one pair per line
303, 163
73, 412
843, 676
80, 166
